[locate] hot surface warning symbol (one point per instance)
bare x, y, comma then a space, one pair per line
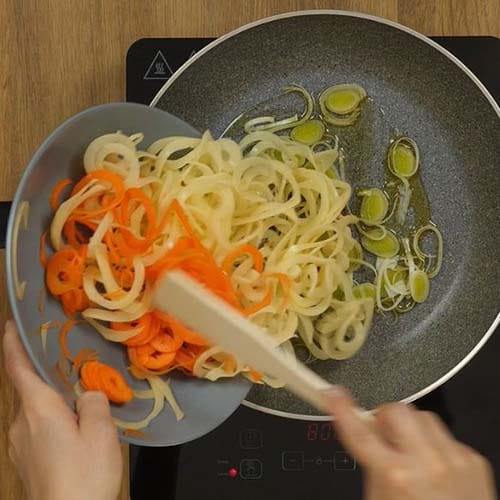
159, 69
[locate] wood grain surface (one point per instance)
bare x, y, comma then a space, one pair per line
60, 56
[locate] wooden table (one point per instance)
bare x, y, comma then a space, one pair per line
60, 56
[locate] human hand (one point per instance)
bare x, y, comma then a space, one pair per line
60, 455
410, 454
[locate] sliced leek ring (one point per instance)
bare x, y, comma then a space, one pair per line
376, 232
419, 280
435, 261
419, 285
396, 274
341, 104
386, 247
403, 157
344, 99
364, 291
270, 124
374, 206
309, 132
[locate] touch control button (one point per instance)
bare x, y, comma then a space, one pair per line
251, 469
292, 460
344, 462
251, 439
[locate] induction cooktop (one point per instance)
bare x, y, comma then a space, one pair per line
256, 455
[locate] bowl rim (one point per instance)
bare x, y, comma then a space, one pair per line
16, 202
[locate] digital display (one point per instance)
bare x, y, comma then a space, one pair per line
320, 432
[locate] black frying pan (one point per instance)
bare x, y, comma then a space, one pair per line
424, 92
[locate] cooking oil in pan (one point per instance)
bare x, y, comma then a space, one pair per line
363, 147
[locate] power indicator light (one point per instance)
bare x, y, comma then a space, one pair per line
233, 472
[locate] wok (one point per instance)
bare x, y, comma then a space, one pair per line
417, 88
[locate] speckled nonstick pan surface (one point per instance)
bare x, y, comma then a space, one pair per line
425, 93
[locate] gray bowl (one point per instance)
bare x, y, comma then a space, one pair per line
206, 404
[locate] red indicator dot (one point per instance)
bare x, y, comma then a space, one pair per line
233, 472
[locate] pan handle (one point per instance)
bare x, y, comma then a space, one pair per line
4, 220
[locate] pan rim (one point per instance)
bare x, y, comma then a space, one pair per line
496, 322
332, 12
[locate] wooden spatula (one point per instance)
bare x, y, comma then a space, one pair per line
178, 294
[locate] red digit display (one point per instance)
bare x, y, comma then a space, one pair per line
320, 432
325, 433
312, 432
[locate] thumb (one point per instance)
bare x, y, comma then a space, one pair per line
94, 414
18, 365
354, 428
